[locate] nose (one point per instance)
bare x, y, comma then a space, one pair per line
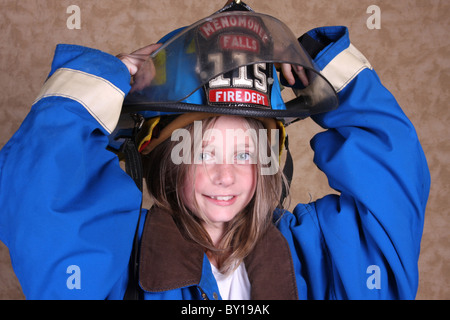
223, 175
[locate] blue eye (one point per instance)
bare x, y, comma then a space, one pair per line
243, 156
205, 156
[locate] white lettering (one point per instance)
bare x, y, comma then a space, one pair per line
207, 29
219, 95
242, 81
219, 81
374, 21
374, 281
261, 79
241, 309
193, 310
234, 141
181, 153
74, 281
74, 21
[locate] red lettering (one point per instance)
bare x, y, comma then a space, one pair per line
207, 29
211, 27
237, 95
238, 42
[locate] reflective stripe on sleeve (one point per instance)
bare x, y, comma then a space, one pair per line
100, 97
345, 67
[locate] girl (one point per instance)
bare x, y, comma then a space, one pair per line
69, 212
221, 203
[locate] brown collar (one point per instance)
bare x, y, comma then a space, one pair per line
168, 261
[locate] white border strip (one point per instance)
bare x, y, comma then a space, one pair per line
345, 67
100, 97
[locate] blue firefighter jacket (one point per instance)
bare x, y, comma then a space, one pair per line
68, 211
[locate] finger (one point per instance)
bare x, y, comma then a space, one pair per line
135, 60
300, 71
286, 69
130, 63
148, 50
144, 76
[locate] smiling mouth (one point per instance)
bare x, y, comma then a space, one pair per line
221, 198
222, 201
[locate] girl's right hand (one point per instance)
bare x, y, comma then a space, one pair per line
136, 59
140, 67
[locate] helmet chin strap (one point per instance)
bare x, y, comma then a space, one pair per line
133, 167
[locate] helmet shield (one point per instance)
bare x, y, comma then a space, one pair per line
225, 64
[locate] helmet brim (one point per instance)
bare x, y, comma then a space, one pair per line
184, 66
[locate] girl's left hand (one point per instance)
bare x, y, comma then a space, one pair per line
286, 69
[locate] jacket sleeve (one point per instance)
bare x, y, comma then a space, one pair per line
68, 210
370, 234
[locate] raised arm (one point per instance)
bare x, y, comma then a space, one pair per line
68, 210
369, 236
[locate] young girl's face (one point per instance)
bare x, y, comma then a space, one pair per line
224, 180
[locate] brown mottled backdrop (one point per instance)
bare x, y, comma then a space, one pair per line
410, 53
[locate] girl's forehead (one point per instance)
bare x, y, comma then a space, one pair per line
229, 129
228, 122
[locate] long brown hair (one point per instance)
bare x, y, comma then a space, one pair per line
165, 180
